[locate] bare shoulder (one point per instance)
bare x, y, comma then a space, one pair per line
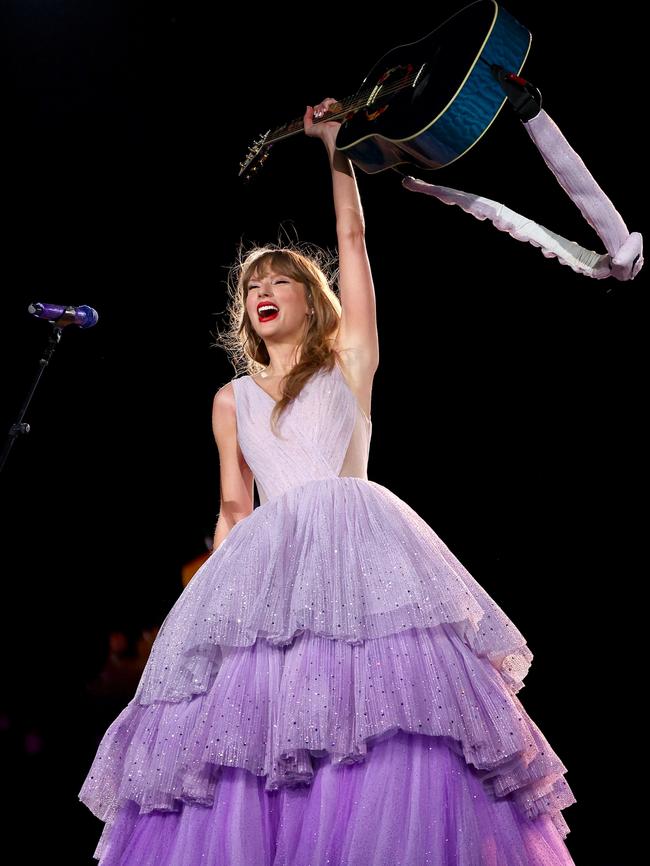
224, 399
224, 417
236, 478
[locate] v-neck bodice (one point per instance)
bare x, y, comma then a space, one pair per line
323, 433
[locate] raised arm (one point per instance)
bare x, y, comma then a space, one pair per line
358, 331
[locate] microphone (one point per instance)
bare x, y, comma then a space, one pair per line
83, 316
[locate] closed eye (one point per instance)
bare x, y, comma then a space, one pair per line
279, 281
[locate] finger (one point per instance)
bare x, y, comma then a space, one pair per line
324, 106
309, 116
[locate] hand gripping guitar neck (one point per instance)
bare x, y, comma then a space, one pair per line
624, 257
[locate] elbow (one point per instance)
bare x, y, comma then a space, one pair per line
350, 228
233, 513
225, 522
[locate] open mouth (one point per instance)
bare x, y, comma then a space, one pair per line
266, 312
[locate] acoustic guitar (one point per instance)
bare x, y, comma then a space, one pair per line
425, 103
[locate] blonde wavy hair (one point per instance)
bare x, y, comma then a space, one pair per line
317, 271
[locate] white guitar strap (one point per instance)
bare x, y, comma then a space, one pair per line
624, 257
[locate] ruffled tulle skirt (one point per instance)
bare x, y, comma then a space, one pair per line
412, 802
332, 687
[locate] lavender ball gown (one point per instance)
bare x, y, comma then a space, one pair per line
331, 687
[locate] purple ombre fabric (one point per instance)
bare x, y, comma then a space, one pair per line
332, 686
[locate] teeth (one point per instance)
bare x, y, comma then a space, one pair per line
267, 308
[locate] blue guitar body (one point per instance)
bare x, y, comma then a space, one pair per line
428, 102
425, 103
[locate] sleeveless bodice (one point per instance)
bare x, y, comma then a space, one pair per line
323, 433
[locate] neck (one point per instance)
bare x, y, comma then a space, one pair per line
282, 362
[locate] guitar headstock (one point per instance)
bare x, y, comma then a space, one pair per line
257, 155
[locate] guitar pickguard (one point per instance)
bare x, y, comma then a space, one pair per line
396, 74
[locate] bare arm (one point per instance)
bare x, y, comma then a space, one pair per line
358, 334
236, 478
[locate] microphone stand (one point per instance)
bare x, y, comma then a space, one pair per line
20, 427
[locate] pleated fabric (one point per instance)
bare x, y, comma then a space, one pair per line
332, 686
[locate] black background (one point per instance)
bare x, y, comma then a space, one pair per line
506, 407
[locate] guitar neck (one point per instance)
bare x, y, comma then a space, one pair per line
345, 108
337, 111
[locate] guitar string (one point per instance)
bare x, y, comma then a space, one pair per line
352, 107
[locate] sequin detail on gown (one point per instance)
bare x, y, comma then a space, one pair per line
331, 631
